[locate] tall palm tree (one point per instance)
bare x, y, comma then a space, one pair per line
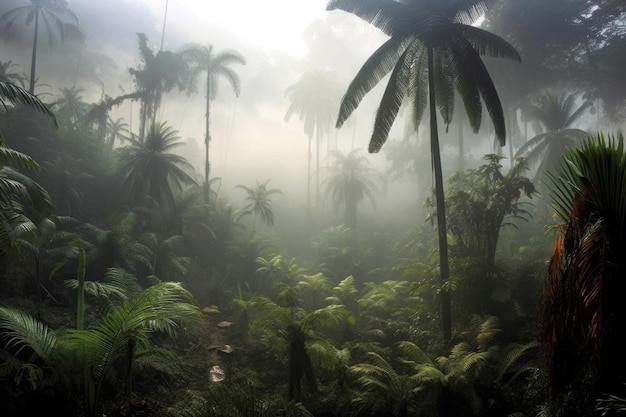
314, 98
55, 15
160, 73
556, 114
205, 60
149, 169
260, 202
582, 296
432, 48
349, 182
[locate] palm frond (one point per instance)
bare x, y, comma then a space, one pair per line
22, 331
375, 68
14, 94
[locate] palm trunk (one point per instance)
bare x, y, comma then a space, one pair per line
80, 297
441, 212
317, 167
207, 138
308, 177
350, 214
33, 60
461, 147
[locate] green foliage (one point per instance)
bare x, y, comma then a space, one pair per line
260, 202
149, 169
595, 170
584, 276
483, 200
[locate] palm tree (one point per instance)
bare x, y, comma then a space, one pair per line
432, 48
116, 130
289, 330
314, 98
42, 248
149, 169
205, 60
161, 72
8, 75
260, 202
556, 114
582, 305
350, 182
55, 15
71, 105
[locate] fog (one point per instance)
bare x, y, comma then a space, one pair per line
250, 138
400, 282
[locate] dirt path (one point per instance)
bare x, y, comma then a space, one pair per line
218, 345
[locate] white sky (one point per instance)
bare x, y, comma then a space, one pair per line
275, 23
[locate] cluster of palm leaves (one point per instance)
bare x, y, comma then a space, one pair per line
580, 306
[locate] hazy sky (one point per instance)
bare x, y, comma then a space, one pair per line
280, 40
275, 24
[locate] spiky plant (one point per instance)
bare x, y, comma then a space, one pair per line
583, 292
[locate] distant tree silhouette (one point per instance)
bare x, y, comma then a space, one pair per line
260, 202
314, 98
213, 64
54, 14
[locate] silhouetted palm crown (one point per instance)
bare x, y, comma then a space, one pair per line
414, 26
556, 113
149, 168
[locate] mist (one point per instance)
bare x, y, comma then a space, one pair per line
405, 208
250, 138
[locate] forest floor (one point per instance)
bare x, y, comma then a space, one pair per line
218, 346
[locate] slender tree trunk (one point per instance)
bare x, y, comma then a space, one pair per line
461, 147
350, 214
308, 176
446, 318
510, 136
164, 22
80, 297
33, 60
207, 138
317, 166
